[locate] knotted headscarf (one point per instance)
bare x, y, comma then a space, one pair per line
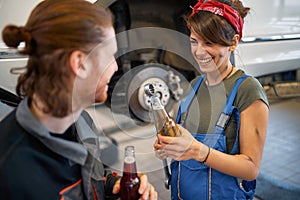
224, 10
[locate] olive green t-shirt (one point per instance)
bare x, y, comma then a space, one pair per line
204, 111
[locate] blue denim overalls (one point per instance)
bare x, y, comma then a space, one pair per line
192, 180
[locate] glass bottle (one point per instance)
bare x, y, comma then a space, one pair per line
130, 182
165, 125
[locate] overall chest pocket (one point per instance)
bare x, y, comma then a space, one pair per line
193, 177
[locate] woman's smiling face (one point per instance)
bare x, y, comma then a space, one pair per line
210, 57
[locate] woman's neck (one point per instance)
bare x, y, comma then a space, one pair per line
216, 78
53, 124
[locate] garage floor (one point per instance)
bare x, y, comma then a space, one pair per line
280, 171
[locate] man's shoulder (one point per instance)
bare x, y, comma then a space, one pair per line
9, 126
11, 135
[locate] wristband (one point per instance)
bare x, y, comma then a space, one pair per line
206, 156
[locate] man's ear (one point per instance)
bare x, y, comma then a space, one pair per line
77, 59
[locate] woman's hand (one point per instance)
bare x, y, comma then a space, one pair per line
182, 147
146, 189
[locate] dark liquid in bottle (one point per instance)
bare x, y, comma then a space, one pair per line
130, 181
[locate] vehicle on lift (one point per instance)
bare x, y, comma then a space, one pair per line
269, 49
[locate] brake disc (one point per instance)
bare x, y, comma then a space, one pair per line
128, 96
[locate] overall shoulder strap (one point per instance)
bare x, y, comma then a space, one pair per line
185, 104
227, 111
249, 186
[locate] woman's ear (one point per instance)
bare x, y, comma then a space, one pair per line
77, 59
235, 41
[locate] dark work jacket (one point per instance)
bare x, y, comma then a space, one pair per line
35, 164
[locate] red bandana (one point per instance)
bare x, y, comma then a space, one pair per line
224, 10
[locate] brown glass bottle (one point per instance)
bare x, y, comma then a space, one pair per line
165, 125
130, 182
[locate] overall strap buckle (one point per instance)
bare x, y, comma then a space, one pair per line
223, 120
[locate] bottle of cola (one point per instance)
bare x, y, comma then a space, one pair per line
165, 125
130, 182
